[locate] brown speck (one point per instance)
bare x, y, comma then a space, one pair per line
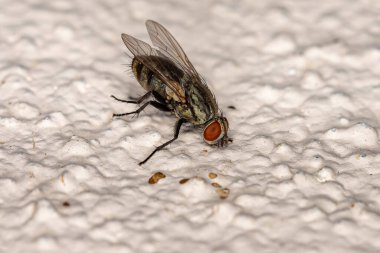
216, 185
212, 175
184, 180
156, 177
352, 205
232, 107
223, 192
66, 204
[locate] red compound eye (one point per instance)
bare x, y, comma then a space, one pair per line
212, 131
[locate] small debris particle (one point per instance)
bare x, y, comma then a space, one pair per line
156, 177
223, 192
184, 180
212, 175
232, 107
216, 185
66, 204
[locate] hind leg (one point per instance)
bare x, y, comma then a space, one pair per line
161, 107
138, 101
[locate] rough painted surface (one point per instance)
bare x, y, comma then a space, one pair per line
303, 172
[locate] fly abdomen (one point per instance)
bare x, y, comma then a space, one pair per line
144, 75
148, 78
137, 68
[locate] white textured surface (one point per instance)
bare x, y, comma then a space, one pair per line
303, 170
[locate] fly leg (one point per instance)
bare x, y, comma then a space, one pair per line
138, 101
156, 104
177, 127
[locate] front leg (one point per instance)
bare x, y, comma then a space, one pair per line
177, 128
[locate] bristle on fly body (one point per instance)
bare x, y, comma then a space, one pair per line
128, 65
128, 69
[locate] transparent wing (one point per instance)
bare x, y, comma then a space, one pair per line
138, 47
169, 47
142, 51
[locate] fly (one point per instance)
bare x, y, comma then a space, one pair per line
170, 78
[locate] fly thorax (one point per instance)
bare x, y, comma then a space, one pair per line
195, 108
171, 95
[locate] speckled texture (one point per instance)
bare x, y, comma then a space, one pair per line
302, 174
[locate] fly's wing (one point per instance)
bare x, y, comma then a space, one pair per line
141, 50
170, 48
